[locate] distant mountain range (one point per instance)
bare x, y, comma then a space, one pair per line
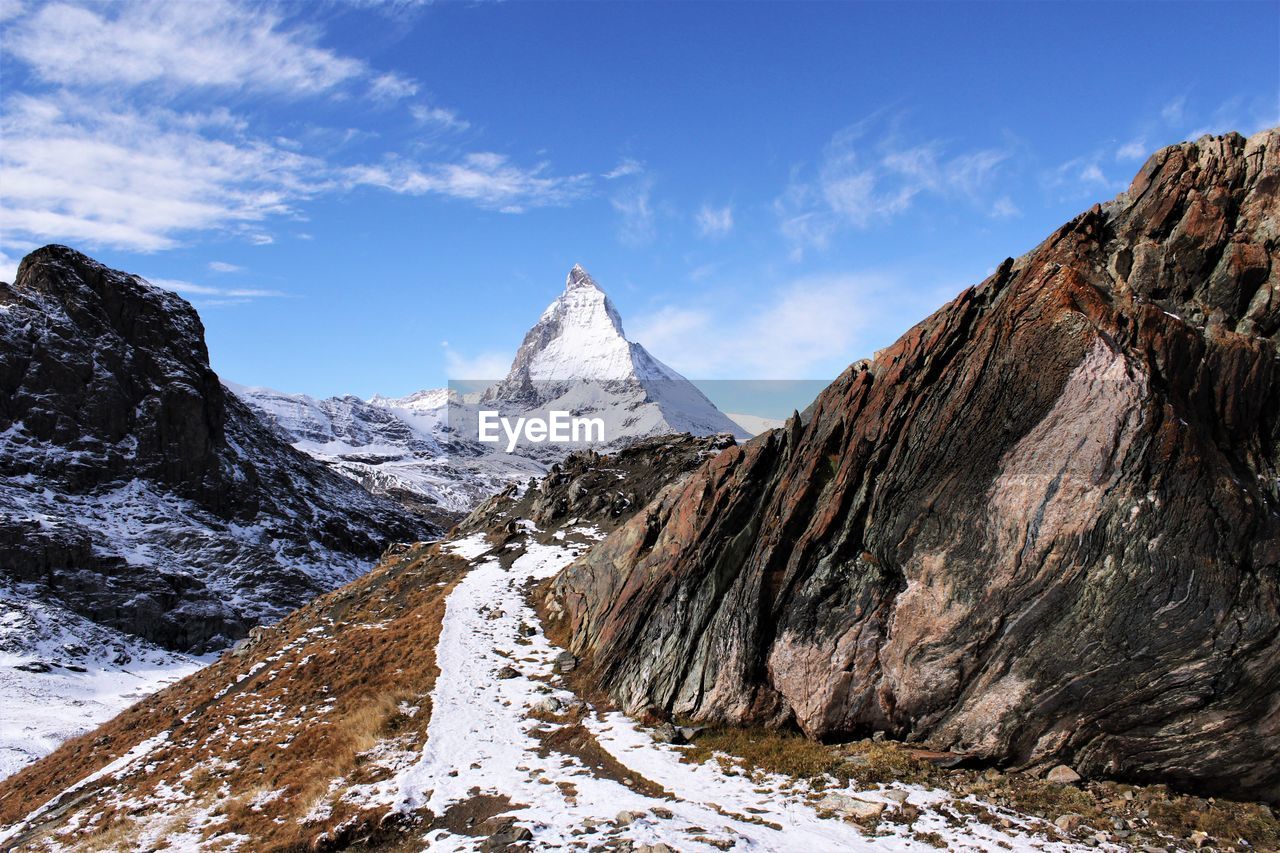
418, 449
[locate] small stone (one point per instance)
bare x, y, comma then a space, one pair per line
627, 818
565, 662
654, 848
667, 733
878, 737
1068, 822
896, 795
992, 775
847, 806
1199, 838
689, 732
503, 833
507, 672
1063, 775
549, 705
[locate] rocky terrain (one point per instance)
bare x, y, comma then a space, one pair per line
422, 449
135, 493
1043, 528
423, 707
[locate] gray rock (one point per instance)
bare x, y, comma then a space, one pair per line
851, 807
1062, 775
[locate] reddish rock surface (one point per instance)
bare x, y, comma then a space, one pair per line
1041, 528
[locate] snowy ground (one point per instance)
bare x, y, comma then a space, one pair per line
61, 676
483, 740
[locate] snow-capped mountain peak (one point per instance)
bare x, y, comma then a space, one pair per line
580, 337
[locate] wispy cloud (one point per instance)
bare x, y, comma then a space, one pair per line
392, 87
634, 204
1083, 177
809, 328
439, 118
203, 295
1004, 208
626, 166
868, 175
78, 166
224, 267
213, 43
482, 366
74, 169
1134, 149
485, 178
1173, 111
715, 221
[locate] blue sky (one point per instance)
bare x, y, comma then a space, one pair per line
369, 197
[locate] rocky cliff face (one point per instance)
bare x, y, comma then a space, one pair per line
1043, 526
134, 491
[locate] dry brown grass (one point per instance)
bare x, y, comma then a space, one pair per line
337, 676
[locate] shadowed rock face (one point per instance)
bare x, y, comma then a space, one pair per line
1042, 526
135, 491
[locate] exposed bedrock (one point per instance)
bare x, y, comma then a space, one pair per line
1041, 527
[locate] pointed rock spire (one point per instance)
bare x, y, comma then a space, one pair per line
579, 277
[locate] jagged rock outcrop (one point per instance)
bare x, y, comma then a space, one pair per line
1042, 527
135, 491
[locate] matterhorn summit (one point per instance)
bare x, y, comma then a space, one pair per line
422, 449
577, 358
580, 337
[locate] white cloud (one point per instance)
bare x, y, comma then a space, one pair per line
715, 221
437, 117
483, 366
634, 204
863, 180
1081, 177
223, 266
1004, 208
8, 267
1091, 173
74, 169
10, 9
78, 165
392, 87
625, 167
211, 43
809, 328
205, 296
487, 179
1174, 111
1135, 149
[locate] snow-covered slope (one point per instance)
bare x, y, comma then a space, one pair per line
62, 675
422, 449
402, 448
